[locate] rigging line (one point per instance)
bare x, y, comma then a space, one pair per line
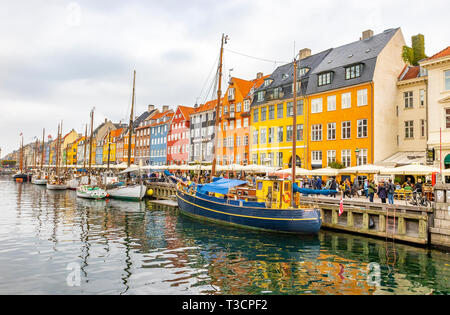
209, 76
257, 58
211, 87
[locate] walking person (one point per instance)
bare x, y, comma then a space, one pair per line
382, 192
390, 192
366, 188
371, 190
333, 187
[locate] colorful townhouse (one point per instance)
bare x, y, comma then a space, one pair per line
202, 132
82, 151
234, 127
159, 126
126, 138
142, 131
271, 131
352, 97
178, 140
438, 98
109, 146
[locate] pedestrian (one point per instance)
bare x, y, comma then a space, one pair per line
371, 190
382, 192
333, 187
319, 183
347, 189
390, 191
366, 188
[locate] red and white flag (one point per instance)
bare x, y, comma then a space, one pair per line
341, 207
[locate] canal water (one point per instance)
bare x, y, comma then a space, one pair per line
55, 243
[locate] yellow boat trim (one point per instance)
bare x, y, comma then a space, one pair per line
241, 215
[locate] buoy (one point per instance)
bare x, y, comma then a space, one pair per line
150, 192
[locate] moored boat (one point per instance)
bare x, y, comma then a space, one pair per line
72, 184
39, 181
89, 192
130, 192
199, 203
56, 186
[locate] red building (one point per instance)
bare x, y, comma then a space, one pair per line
178, 138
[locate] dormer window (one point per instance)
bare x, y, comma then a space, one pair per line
285, 76
302, 71
260, 96
231, 92
324, 78
353, 72
267, 82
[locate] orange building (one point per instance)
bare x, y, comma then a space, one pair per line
234, 128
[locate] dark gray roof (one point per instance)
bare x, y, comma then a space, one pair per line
142, 117
360, 52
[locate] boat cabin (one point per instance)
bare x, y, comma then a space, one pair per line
275, 192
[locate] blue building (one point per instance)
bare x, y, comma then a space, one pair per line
159, 127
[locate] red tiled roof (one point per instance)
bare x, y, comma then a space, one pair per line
168, 113
409, 73
207, 106
442, 53
186, 111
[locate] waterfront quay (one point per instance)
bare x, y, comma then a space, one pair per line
52, 242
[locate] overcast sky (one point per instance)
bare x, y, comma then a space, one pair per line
58, 59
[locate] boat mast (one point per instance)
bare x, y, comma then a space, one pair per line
85, 141
109, 147
57, 155
43, 149
219, 95
21, 155
90, 146
294, 133
131, 123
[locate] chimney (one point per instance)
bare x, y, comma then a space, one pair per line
367, 34
150, 108
304, 53
165, 108
106, 120
259, 75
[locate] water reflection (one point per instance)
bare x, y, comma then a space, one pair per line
128, 248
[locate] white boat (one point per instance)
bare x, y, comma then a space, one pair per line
90, 192
39, 181
72, 184
56, 186
132, 192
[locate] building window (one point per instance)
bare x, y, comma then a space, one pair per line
362, 97
263, 136
447, 118
300, 107
246, 140
324, 79
422, 97
255, 158
245, 122
316, 132
280, 159
246, 105
271, 112
447, 79
331, 103
422, 128
238, 107
408, 97
362, 157
276, 93
346, 100
346, 156
331, 156
346, 129
280, 109
280, 134
316, 105
255, 115
271, 138
271, 158
255, 136
316, 157
238, 123
300, 132
362, 128
409, 129
353, 72
263, 113
289, 134
260, 96
331, 131
289, 109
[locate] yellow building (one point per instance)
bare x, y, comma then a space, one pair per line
109, 144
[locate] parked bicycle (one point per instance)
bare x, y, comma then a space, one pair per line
419, 199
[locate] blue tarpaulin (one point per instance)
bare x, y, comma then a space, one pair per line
307, 191
220, 186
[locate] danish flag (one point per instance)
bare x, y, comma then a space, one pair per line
341, 207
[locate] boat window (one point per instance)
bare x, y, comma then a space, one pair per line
286, 186
276, 186
260, 184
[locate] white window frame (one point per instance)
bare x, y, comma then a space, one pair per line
346, 100
362, 97
331, 103
316, 105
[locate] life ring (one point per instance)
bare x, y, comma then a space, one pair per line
288, 195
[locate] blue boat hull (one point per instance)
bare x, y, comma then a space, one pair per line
299, 221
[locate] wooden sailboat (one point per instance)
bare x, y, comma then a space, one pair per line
90, 191
129, 191
57, 182
21, 176
40, 178
273, 205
